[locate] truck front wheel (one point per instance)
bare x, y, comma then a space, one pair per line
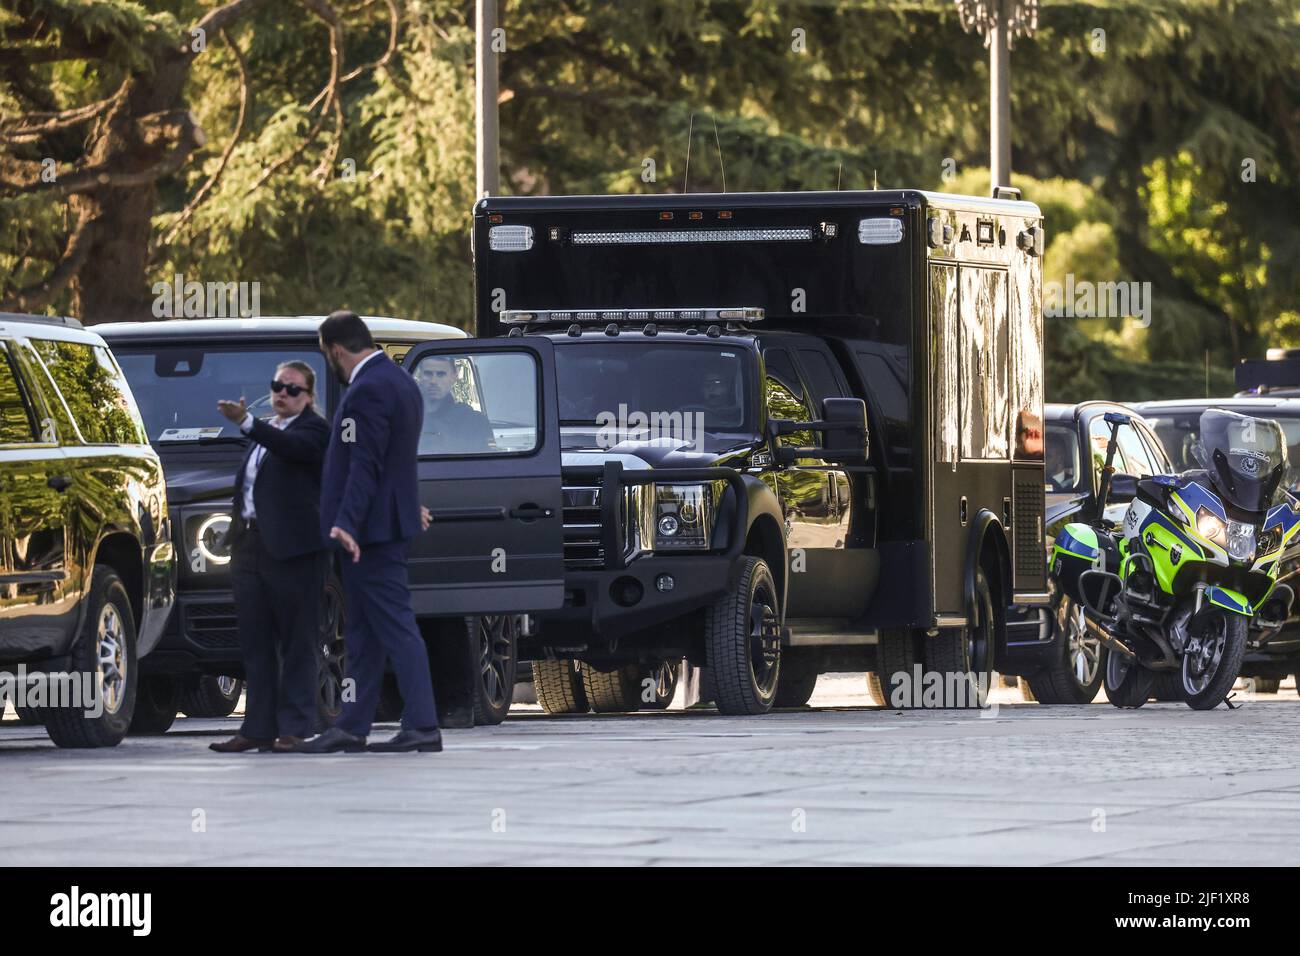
961, 658
742, 642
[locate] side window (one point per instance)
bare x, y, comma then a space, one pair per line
1098, 438
17, 424
821, 377
785, 396
96, 391
1159, 459
479, 404
1137, 460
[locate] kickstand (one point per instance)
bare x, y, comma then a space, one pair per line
1228, 700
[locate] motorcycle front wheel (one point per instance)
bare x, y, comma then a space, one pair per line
1212, 658
1127, 682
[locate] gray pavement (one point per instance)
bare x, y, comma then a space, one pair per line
843, 783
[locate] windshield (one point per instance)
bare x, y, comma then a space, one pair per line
643, 391
177, 386
1180, 431
1062, 448
1246, 457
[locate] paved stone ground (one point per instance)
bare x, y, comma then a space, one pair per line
843, 783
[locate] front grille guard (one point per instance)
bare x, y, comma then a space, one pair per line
613, 478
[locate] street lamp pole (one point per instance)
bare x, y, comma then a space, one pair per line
487, 152
999, 22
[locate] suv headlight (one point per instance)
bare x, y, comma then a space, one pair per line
207, 542
683, 517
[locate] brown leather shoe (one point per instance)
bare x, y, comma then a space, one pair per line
286, 745
239, 744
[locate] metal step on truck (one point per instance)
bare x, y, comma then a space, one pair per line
771, 435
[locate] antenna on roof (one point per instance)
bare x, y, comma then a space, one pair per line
839, 177
875, 183
689, 134
721, 164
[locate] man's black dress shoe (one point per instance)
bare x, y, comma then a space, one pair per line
333, 741
404, 741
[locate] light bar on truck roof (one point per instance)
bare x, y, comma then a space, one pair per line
687, 236
746, 313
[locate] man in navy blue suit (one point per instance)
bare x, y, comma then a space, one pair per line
370, 507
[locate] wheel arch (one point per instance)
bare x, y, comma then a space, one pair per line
120, 550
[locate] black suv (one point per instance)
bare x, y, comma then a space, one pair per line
178, 370
87, 570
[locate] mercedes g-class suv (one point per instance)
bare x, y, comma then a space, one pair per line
87, 572
683, 469
178, 370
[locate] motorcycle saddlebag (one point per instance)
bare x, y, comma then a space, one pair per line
1078, 548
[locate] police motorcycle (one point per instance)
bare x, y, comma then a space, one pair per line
1177, 587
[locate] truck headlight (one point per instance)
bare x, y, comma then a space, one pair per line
683, 517
210, 539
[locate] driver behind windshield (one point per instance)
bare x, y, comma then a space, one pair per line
451, 427
718, 395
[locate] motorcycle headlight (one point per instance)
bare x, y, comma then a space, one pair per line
209, 541
1212, 527
1241, 540
1174, 511
1269, 541
683, 517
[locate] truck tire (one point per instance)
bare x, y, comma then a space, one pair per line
895, 655
798, 680
1075, 674
962, 657
662, 679
29, 716
612, 690
156, 704
742, 642
105, 647
559, 687
204, 695
492, 641
1127, 684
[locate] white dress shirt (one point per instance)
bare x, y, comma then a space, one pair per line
254, 463
357, 368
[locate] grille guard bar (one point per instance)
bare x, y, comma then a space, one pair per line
614, 478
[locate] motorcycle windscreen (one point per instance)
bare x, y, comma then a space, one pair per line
490, 476
1246, 457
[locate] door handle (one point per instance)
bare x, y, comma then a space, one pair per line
59, 482
530, 512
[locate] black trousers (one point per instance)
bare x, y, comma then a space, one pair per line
278, 604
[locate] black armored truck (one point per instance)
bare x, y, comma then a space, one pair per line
774, 435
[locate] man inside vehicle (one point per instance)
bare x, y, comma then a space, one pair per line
450, 426
1060, 463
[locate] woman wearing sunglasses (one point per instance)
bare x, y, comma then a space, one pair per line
277, 559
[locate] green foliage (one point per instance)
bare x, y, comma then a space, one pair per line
1136, 150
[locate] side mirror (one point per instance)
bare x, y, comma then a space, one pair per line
844, 425
1122, 488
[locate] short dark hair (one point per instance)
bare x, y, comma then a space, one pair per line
346, 329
